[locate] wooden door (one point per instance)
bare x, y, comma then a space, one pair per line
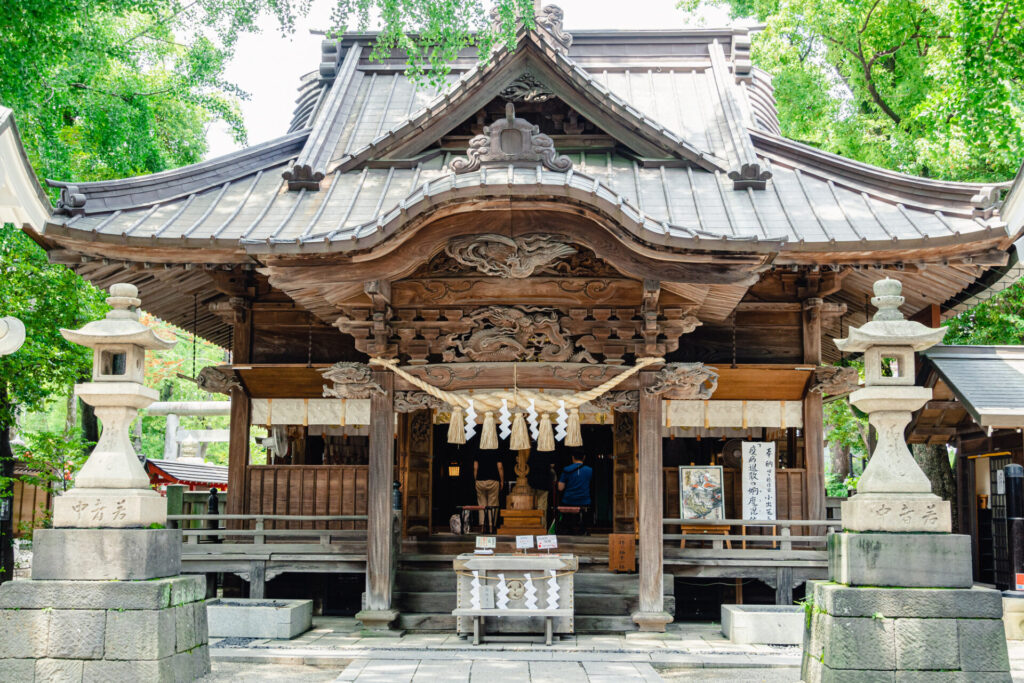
415, 443
624, 452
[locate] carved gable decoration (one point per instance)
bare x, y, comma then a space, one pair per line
551, 18
685, 381
526, 88
508, 257
412, 401
351, 380
216, 381
513, 333
832, 380
511, 141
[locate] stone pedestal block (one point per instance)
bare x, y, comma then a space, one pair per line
106, 554
109, 508
905, 513
152, 631
903, 634
900, 560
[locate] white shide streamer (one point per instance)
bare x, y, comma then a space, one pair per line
470, 429
502, 601
562, 423
552, 590
531, 419
505, 420
530, 594
474, 591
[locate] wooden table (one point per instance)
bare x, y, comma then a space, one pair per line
708, 529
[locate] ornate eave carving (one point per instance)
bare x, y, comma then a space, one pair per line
350, 380
832, 380
216, 381
508, 257
511, 140
411, 401
513, 333
620, 401
685, 381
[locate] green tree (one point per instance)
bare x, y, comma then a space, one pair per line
1000, 320
922, 86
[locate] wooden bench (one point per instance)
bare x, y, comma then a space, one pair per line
480, 614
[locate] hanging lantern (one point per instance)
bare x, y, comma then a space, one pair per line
454, 469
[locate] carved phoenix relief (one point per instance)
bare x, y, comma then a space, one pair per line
351, 380
509, 257
513, 333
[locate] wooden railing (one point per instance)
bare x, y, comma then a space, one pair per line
780, 534
323, 529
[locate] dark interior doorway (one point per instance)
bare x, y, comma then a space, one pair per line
451, 491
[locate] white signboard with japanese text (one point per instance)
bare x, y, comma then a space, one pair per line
524, 542
547, 542
758, 480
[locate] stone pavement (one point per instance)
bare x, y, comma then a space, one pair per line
334, 650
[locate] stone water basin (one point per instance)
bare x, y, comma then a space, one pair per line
258, 617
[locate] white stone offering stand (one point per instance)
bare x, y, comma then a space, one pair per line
900, 603
106, 601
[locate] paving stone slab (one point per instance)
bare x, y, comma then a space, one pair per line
76, 634
925, 603
951, 677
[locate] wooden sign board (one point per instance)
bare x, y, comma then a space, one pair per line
758, 480
621, 553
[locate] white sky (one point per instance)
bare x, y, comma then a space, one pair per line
268, 65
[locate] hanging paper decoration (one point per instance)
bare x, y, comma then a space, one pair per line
565, 408
505, 422
470, 428
562, 422
531, 416
552, 590
502, 600
530, 594
474, 590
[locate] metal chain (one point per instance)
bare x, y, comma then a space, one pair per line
733, 340
195, 326
309, 340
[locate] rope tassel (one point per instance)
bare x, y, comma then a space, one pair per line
456, 434
520, 438
546, 437
573, 435
489, 435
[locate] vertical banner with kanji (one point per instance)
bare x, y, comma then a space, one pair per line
758, 480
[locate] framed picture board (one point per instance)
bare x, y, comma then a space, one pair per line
701, 495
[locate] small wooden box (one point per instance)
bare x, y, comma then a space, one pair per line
621, 553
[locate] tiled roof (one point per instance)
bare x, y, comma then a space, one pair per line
191, 472
988, 380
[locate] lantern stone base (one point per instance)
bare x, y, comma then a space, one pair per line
104, 630
106, 554
109, 508
897, 513
903, 634
904, 560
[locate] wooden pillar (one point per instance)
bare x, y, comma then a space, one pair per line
238, 431
814, 450
380, 556
651, 615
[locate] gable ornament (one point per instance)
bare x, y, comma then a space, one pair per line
511, 140
350, 380
551, 18
686, 381
508, 257
526, 88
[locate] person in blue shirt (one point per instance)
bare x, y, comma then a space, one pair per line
575, 488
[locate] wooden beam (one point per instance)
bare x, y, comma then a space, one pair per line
651, 615
379, 480
814, 450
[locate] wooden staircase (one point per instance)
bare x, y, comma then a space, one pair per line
425, 598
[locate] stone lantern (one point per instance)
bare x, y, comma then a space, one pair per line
900, 602
112, 489
893, 493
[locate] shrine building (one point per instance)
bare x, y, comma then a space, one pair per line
596, 244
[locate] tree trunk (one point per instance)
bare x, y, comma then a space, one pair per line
90, 425
6, 474
839, 460
934, 460
71, 416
